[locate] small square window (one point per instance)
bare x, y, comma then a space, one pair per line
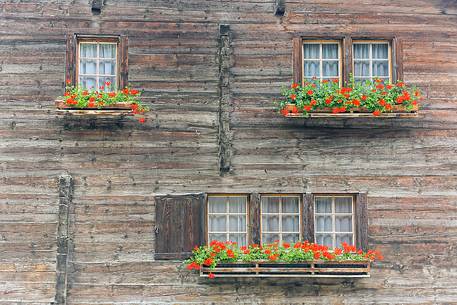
321, 60
372, 59
97, 63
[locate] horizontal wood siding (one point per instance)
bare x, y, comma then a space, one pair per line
406, 166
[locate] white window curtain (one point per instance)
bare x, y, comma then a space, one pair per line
371, 60
334, 220
321, 60
227, 219
97, 65
280, 218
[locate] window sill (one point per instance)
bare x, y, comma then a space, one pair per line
120, 109
329, 269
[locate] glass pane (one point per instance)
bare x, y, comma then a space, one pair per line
107, 67
217, 204
343, 204
330, 68
343, 223
88, 67
312, 51
237, 204
217, 223
218, 237
380, 51
240, 239
323, 204
324, 224
340, 238
111, 80
88, 50
380, 68
270, 223
312, 69
290, 238
87, 82
290, 223
237, 224
270, 204
107, 50
361, 68
362, 51
330, 51
269, 238
290, 204
325, 239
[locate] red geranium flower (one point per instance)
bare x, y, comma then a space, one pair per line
230, 253
211, 275
310, 92
293, 96
294, 86
208, 262
307, 107
376, 113
356, 102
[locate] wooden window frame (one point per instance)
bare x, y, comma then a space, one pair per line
346, 59
206, 225
72, 56
371, 42
300, 215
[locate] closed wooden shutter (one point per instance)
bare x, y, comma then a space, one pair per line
297, 57
123, 62
180, 225
397, 60
70, 60
361, 220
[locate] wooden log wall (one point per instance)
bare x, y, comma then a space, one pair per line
406, 166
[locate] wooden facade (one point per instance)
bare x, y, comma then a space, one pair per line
77, 209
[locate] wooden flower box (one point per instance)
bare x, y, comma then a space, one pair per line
398, 111
120, 109
335, 269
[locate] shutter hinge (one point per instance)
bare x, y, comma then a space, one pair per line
156, 230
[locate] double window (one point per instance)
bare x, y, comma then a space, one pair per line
338, 59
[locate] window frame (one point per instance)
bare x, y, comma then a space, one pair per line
371, 42
72, 56
346, 43
321, 42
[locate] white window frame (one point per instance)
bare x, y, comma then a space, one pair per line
321, 60
280, 214
97, 59
370, 59
333, 215
227, 213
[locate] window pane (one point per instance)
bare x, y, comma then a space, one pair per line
88, 67
311, 51
107, 67
343, 204
324, 224
312, 69
237, 224
380, 68
217, 223
290, 204
107, 50
269, 238
217, 204
290, 238
270, 204
237, 204
330, 51
380, 51
361, 51
325, 239
343, 223
330, 68
323, 204
270, 223
88, 50
340, 238
219, 237
87, 82
290, 223
240, 239
362, 68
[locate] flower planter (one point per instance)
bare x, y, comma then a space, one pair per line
119, 109
397, 111
332, 269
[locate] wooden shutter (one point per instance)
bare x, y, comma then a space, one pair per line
361, 220
254, 218
297, 59
308, 217
70, 59
397, 60
347, 59
123, 62
180, 225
